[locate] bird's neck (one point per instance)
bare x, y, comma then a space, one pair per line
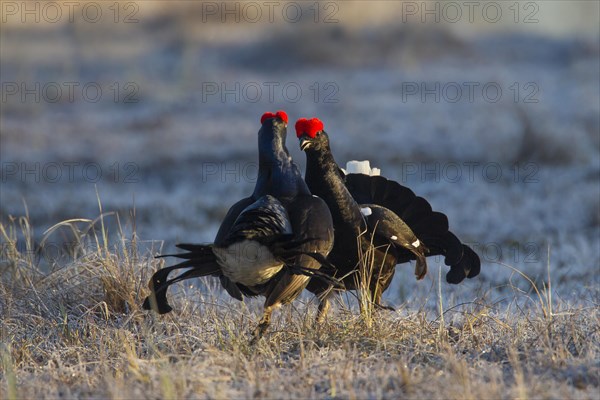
324, 179
272, 153
277, 173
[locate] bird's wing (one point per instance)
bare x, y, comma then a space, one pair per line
311, 223
312, 228
389, 226
266, 221
230, 218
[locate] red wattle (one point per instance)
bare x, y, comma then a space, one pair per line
301, 126
266, 116
282, 115
310, 127
279, 114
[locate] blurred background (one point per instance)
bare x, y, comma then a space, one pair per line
490, 110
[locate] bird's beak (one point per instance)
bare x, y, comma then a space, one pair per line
305, 143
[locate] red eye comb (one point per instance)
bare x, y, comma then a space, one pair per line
308, 126
279, 114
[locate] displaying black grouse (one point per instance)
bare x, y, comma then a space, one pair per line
270, 243
378, 215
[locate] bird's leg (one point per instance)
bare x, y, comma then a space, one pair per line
377, 302
324, 305
264, 323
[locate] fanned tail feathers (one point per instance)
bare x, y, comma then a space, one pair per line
431, 227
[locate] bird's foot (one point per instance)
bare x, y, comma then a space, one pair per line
380, 306
258, 333
262, 327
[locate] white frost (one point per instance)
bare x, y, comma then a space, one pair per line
366, 211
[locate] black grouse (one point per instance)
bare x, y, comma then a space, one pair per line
270, 243
379, 215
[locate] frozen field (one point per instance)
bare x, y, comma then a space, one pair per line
158, 119
499, 132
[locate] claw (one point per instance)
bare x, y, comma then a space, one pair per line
382, 307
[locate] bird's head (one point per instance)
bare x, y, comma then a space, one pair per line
278, 119
274, 126
311, 135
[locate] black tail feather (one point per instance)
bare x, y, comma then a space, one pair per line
200, 249
468, 267
432, 222
200, 260
416, 211
446, 244
191, 246
194, 251
157, 300
367, 189
473, 261
431, 227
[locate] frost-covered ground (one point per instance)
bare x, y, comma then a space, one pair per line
498, 131
497, 125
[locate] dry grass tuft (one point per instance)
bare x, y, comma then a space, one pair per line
77, 330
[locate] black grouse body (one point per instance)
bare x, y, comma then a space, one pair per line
268, 244
374, 214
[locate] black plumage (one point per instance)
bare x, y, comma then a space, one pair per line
270, 243
372, 213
